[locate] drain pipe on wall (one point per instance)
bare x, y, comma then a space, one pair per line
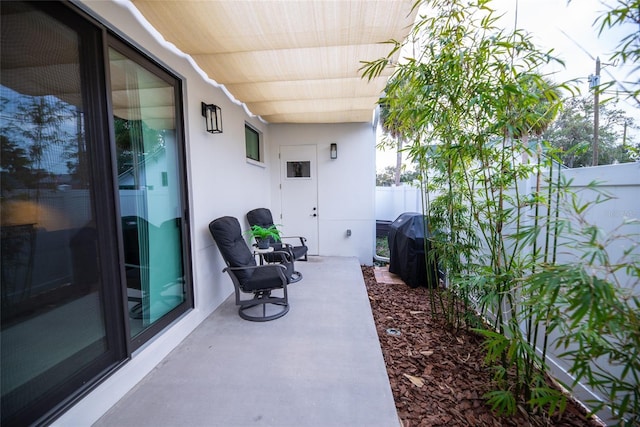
377, 257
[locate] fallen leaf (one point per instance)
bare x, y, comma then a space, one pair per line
415, 380
426, 353
460, 340
416, 312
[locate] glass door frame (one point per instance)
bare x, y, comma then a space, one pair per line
155, 67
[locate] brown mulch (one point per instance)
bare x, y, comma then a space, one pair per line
437, 374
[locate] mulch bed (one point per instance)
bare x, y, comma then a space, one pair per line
437, 374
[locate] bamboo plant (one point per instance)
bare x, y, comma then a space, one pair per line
469, 104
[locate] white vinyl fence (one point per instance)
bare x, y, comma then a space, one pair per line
393, 201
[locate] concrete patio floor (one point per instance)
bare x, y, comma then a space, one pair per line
319, 365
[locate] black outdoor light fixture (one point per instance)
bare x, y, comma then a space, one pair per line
333, 151
213, 117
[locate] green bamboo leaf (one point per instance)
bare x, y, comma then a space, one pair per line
502, 402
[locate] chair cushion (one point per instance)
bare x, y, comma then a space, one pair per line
299, 251
265, 277
261, 217
228, 236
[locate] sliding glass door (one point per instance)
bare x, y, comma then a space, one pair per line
94, 239
60, 321
149, 186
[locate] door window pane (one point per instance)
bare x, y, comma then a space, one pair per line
150, 189
53, 301
300, 169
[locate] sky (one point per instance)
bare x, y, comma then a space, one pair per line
568, 29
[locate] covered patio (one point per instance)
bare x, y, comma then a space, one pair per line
320, 365
286, 78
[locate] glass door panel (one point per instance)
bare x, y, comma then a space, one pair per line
54, 316
149, 189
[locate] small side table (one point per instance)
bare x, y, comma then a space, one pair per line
261, 252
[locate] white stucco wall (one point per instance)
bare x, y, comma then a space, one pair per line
346, 185
221, 182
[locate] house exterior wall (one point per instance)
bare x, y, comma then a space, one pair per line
346, 185
222, 182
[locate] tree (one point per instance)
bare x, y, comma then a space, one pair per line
572, 134
34, 125
134, 138
390, 127
387, 177
15, 165
398, 129
42, 120
622, 13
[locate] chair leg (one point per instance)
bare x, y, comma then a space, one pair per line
264, 300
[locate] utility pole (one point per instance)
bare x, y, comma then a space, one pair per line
596, 111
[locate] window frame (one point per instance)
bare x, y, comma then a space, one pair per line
251, 160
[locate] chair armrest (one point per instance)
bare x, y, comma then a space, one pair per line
244, 284
285, 255
253, 267
302, 239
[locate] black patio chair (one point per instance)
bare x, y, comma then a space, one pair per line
248, 277
263, 218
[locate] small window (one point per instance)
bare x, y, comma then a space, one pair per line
252, 142
298, 169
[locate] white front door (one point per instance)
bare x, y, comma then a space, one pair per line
298, 179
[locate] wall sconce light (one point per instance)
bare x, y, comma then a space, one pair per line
213, 117
333, 151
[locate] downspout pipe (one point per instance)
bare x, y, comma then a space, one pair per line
379, 258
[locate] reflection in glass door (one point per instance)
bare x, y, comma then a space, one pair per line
149, 187
58, 327
64, 323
